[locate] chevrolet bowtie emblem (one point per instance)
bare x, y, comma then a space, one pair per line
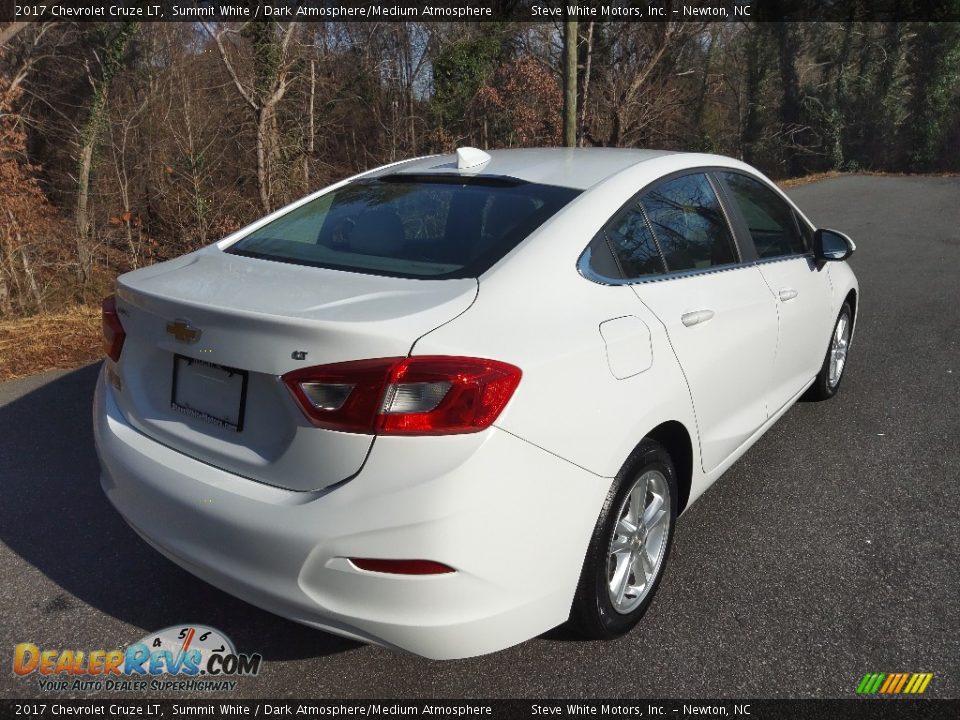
183, 331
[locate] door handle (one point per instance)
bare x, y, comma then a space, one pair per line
788, 294
696, 317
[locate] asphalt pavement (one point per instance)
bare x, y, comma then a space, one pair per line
832, 549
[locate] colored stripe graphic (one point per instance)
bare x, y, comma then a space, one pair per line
901, 682
894, 683
891, 678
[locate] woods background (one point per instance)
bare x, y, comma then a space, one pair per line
124, 144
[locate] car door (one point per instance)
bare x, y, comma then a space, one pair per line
800, 289
675, 247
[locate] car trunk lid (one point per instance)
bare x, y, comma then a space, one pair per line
209, 335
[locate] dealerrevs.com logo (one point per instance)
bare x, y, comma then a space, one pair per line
186, 658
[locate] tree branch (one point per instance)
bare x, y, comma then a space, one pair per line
218, 38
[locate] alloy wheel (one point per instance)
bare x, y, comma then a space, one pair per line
838, 350
639, 542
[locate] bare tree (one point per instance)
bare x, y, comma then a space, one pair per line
570, 82
585, 94
272, 61
636, 93
124, 126
89, 135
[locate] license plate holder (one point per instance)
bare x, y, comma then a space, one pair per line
212, 393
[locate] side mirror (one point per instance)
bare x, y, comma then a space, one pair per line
832, 245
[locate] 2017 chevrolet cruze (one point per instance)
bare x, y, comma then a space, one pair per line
450, 403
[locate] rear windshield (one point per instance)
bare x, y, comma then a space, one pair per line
420, 227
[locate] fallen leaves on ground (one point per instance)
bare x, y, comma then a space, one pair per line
64, 339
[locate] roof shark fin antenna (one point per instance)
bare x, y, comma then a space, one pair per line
471, 157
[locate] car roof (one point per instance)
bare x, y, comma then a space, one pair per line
578, 168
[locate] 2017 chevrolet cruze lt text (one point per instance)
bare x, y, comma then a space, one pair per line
453, 402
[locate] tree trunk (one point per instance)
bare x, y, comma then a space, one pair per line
756, 73
31, 279
570, 83
836, 118
588, 62
876, 141
616, 127
263, 179
4, 298
84, 259
699, 106
6, 306
269, 85
89, 136
311, 131
790, 105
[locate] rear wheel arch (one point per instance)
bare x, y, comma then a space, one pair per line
666, 452
851, 299
675, 439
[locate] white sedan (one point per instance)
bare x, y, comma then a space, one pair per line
453, 402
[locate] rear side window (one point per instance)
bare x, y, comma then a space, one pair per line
625, 248
632, 242
769, 218
689, 224
420, 227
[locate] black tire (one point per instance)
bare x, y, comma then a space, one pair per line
822, 388
594, 614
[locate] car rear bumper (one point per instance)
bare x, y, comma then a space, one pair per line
512, 519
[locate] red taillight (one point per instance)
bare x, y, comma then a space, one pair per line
113, 334
442, 395
402, 567
343, 396
426, 395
